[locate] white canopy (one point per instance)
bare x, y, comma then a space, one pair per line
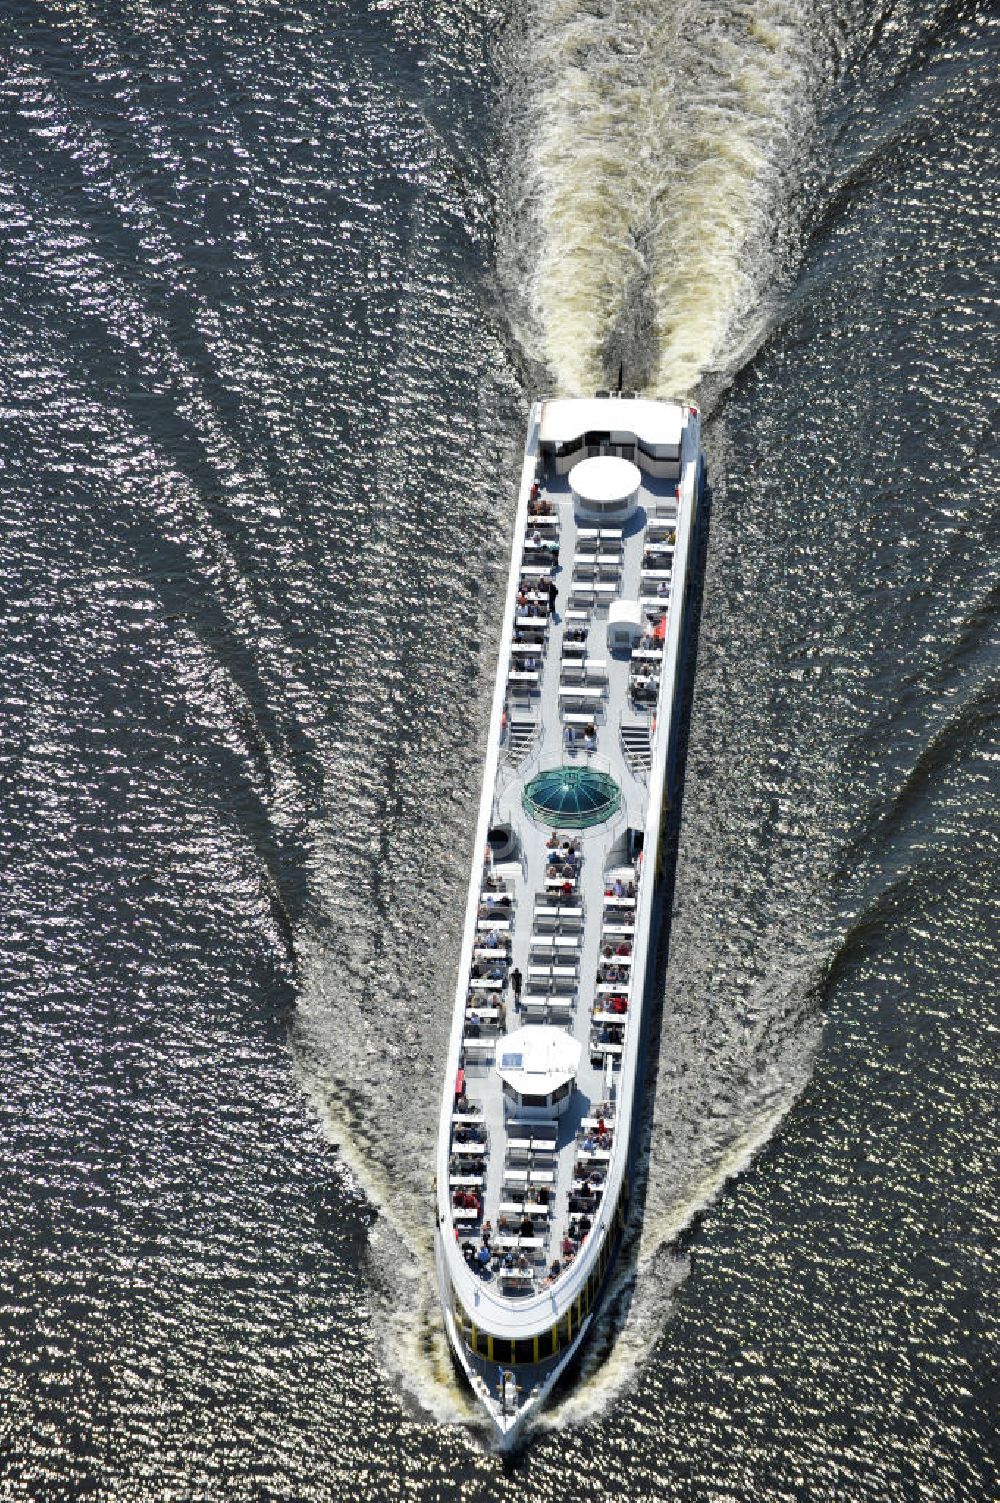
536, 1060
655, 424
604, 480
628, 612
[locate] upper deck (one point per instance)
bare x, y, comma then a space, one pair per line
558, 921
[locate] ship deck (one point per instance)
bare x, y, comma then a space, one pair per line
525, 1191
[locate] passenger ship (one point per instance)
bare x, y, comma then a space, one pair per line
545, 1059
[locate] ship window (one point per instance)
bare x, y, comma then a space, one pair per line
524, 1350
546, 1344
501, 1349
560, 1092
534, 1101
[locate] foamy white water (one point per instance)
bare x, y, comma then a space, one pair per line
656, 152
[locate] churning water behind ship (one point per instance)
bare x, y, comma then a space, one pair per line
270, 328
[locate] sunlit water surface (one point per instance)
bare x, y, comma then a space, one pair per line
279, 283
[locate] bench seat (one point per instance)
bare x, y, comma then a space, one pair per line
525, 1177
542, 1009
565, 913
519, 1244
523, 1208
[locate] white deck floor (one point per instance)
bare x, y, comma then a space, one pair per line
523, 878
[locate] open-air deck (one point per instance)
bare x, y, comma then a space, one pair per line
559, 883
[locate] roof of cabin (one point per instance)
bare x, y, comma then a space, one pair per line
656, 423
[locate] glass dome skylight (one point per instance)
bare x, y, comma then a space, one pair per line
572, 798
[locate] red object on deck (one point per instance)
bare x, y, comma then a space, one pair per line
660, 629
460, 1083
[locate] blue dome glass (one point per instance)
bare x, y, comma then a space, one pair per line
572, 798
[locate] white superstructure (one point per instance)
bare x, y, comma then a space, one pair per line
540, 1084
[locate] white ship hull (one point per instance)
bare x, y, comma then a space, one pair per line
547, 1040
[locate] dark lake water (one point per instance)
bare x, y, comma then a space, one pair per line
277, 285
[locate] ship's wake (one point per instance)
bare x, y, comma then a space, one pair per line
717, 1104
655, 152
613, 125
